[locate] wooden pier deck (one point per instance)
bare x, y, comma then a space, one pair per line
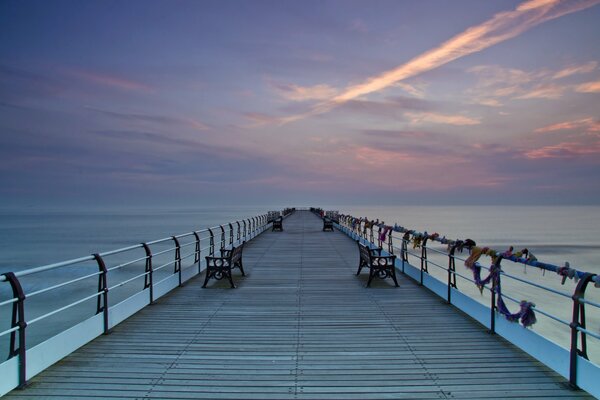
301, 325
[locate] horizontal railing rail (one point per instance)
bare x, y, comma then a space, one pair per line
157, 266
424, 244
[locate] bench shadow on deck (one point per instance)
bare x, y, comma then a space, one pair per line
301, 325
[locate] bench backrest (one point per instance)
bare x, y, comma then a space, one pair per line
365, 253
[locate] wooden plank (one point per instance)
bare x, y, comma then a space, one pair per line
301, 325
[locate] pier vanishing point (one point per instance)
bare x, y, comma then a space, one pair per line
300, 325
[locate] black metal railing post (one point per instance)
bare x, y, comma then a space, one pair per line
390, 244
424, 263
211, 245
578, 321
495, 269
198, 252
379, 241
404, 250
451, 272
148, 280
230, 234
238, 236
222, 244
177, 263
18, 320
244, 222
102, 303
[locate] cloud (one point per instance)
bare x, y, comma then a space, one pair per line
447, 119
303, 93
396, 134
502, 26
153, 119
588, 87
586, 124
496, 82
564, 150
576, 69
113, 81
547, 91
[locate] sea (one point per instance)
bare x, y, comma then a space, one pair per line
36, 236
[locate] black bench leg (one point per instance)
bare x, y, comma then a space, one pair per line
371, 275
208, 273
393, 275
229, 277
360, 267
241, 267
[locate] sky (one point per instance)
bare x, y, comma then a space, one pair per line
299, 102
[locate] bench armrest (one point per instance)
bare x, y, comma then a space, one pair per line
226, 253
376, 251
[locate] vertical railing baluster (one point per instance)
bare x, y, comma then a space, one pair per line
404, 251
424, 263
211, 248
451, 272
495, 288
197, 250
230, 234
177, 263
578, 321
222, 245
102, 303
244, 222
148, 279
18, 320
390, 244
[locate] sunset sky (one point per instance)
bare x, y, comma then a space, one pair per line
300, 102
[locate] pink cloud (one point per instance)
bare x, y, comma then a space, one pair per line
564, 150
586, 124
110, 80
576, 69
445, 119
502, 26
588, 87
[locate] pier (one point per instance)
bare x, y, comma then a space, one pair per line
300, 325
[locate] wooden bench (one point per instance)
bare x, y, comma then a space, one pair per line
220, 267
327, 224
380, 266
278, 224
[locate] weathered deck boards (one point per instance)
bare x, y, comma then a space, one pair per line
301, 325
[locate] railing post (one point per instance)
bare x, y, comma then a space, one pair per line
238, 231
244, 222
371, 238
102, 303
211, 248
495, 286
177, 264
390, 244
423, 258
148, 283
197, 249
230, 234
222, 245
249, 228
578, 321
18, 320
451, 272
379, 242
198, 252
404, 250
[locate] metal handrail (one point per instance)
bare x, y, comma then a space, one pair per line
364, 229
255, 226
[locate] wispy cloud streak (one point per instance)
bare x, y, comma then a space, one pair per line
502, 26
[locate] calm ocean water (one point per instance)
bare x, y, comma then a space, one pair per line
34, 237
